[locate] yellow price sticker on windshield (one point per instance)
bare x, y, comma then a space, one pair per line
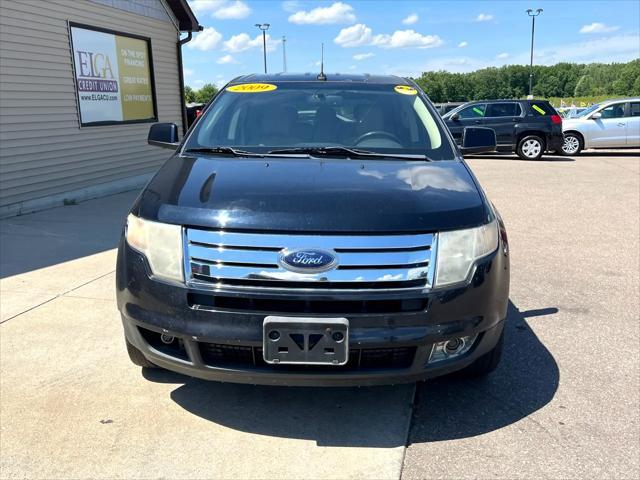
405, 90
252, 88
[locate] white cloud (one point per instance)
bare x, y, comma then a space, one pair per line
233, 10
354, 36
410, 38
291, 5
411, 19
363, 56
502, 55
462, 44
618, 48
336, 13
198, 82
200, 7
484, 17
596, 27
242, 42
359, 35
227, 59
208, 39
187, 72
352, 67
221, 9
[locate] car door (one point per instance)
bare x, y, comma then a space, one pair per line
502, 118
633, 124
471, 116
610, 130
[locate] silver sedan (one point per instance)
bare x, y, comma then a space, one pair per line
609, 124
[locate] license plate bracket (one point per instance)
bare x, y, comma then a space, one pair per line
305, 340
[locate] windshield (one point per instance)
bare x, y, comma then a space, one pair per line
377, 118
589, 110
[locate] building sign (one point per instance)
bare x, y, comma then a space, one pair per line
113, 75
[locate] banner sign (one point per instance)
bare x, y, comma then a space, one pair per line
113, 75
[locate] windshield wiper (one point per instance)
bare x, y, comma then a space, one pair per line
224, 151
345, 151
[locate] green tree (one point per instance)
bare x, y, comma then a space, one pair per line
189, 94
206, 93
563, 80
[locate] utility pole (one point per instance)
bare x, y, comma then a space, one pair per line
284, 54
533, 16
264, 27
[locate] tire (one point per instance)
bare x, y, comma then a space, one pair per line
530, 147
573, 144
137, 358
487, 363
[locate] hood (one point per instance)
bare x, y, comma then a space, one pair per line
313, 195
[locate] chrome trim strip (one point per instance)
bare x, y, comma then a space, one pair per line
334, 242
224, 272
261, 257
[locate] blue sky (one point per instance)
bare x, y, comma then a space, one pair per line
404, 37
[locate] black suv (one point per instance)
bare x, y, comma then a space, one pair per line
315, 232
527, 127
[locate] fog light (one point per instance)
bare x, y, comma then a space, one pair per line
166, 339
451, 348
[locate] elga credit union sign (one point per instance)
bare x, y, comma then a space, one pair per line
114, 76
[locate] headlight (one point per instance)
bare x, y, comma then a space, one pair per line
161, 244
460, 249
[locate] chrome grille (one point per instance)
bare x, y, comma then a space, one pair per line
365, 261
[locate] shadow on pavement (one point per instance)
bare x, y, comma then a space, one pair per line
50, 237
635, 153
514, 157
525, 381
377, 417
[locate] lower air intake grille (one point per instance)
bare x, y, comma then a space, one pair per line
239, 356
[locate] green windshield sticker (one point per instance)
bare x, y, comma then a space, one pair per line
478, 111
538, 109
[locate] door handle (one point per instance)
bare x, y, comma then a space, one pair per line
621, 124
477, 121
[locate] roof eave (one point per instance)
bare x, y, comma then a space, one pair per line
187, 21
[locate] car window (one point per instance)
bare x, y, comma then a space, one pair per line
613, 111
540, 109
473, 111
634, 111
376, 117
503, 110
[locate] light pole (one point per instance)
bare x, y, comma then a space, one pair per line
264, 27
533, 16
284, 54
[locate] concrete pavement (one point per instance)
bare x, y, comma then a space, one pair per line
72, 405
564, 402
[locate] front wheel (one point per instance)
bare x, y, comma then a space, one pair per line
572, 144
530, 147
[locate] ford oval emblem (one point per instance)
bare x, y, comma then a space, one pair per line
308, 260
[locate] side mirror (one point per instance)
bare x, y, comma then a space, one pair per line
164, 135
478, 140
596, 116
455, 117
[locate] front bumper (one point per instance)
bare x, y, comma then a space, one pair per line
149, 308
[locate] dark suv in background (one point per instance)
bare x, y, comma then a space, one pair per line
526, 127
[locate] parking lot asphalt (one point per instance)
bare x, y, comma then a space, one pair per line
563, 403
